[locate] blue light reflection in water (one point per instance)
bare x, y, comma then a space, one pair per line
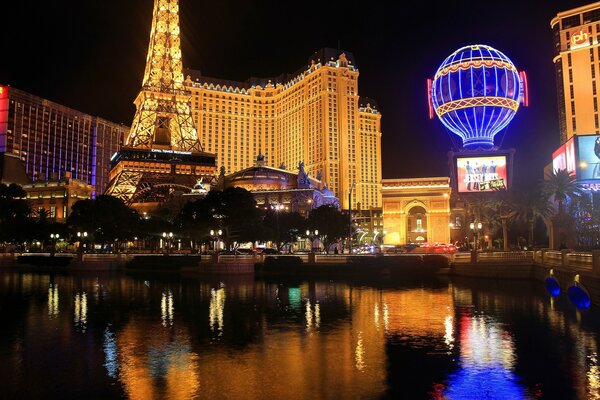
110, 353
487, 361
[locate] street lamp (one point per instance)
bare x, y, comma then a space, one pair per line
311, 235
81, 236
54, 237
168, 236
215, 234
476, 227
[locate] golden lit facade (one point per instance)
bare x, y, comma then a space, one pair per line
416, 210
315, 116
57, 196
576, 35
162, 153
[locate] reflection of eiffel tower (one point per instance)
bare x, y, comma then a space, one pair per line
162, 152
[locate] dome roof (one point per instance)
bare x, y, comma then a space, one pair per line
327, 192
262, 173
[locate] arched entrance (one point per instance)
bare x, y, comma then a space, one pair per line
416, 225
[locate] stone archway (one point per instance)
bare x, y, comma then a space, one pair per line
416, 224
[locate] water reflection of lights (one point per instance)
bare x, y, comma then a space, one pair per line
53, 300
81, 310
449, 334
216, 307
359, 353
110, 353
312, 317
386, 317
487, 360
593, 377
166, 308
376, 315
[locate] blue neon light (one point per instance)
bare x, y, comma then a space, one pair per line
468, 94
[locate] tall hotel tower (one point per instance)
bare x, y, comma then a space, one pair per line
314, 115
577, 60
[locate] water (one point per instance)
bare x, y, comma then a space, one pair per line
111, 336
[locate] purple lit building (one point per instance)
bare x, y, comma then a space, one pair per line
52, 139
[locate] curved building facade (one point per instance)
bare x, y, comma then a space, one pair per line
314, 115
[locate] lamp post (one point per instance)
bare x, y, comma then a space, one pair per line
81, 236
54, 237
167, 237
215, 234
350, 216
311, 235
476, 227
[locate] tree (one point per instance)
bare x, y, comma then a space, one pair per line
283, 228
332, 224
106, 218
531, 206
14, 213
233, 210
560, 187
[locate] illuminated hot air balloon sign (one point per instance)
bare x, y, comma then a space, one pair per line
475, 93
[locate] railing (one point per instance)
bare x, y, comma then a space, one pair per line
502, 257
461, 257
579, 260
506, 256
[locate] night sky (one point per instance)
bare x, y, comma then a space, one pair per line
90, 55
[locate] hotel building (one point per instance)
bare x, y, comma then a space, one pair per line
576, 35
52, 140
314, 115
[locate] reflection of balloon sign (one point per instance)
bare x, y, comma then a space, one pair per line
476, 93
552, 286
578, 295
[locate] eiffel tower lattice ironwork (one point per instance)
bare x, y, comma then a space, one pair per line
162, 150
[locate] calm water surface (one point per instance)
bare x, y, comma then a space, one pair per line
111, 336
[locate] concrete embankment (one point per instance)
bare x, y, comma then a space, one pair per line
566, 267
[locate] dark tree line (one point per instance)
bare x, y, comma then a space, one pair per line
107, 220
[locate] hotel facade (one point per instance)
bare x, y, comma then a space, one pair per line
576, 34
314, 115
54, 141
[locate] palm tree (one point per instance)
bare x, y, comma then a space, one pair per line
559, 187
529, 206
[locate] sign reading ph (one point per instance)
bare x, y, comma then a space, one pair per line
579, 39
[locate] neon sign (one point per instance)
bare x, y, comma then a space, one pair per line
171, 151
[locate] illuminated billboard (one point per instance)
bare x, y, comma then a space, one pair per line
564, 157
588, 158
481, 174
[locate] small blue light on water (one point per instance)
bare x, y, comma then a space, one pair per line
579, 297
552, 286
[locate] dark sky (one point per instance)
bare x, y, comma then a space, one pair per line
90, 55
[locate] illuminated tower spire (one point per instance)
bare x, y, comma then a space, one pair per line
163, 119
162, 154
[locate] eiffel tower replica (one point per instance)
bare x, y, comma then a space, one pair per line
162, 153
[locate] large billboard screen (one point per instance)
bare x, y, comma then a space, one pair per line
564, 157
481, 174
588, 149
